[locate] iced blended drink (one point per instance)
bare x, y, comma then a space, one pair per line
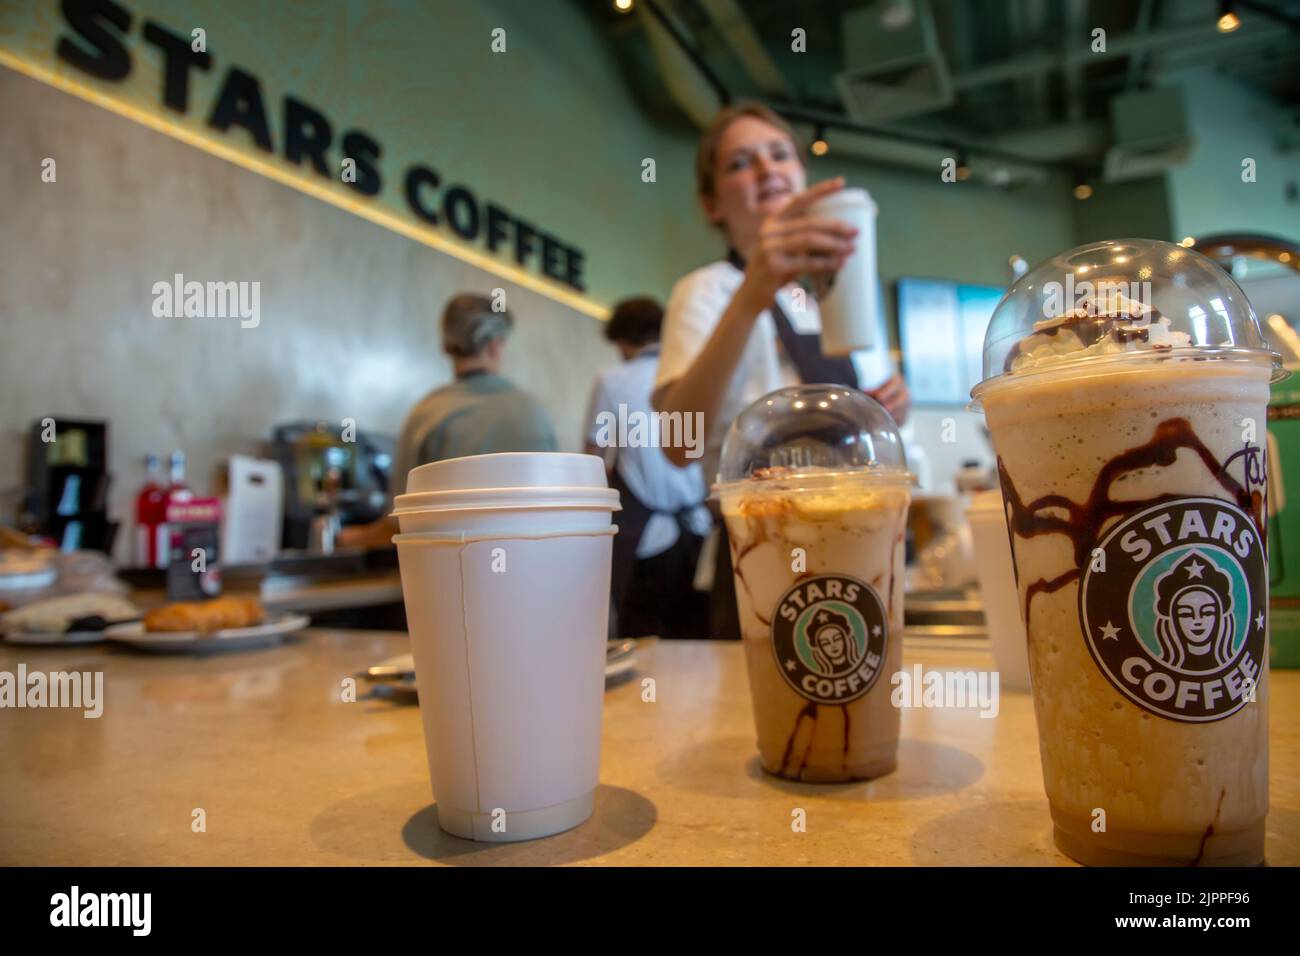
1128, 420
814, 492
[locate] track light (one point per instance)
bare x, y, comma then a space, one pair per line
1228, 19
623, 6
819, 145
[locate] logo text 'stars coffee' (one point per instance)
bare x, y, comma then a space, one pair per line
1178, 619
828, 634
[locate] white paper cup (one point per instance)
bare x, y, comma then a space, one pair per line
988, 526
848, 309
506, 586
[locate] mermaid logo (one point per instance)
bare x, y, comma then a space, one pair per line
1193, 608
830, 640
829, 636
1176, 615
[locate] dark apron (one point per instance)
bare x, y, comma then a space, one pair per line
805, 354
631, 522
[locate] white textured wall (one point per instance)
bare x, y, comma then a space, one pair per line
348, 310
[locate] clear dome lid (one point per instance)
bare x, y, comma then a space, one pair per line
808, 436
1120, 300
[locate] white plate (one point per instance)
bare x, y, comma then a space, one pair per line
234, 638
51, 638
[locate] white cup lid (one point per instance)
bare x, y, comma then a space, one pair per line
508, 470
508, 480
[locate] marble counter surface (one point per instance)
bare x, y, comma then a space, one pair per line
260, 746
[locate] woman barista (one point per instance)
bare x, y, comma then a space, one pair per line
731, 333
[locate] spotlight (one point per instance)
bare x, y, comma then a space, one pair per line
1228, 19
819, 145
623, 6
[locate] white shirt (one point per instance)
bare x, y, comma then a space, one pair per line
694, 309
657, 483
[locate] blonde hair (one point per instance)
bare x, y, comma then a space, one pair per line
706, 153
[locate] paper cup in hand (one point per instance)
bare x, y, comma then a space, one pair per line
505, 563
847, 300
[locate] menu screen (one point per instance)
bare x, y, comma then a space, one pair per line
942, 326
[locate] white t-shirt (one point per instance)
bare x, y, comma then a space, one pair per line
694, 309
658, 484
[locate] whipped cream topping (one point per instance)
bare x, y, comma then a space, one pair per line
1097, 326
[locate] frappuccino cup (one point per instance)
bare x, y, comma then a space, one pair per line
1125, 391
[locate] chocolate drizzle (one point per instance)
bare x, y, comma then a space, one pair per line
1209, 830
737, 556
1082, 523
809, 711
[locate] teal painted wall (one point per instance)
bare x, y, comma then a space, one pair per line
1231, 122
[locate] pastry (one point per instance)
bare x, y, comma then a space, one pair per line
219, 614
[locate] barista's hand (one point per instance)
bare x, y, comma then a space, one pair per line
893, 394
791, 243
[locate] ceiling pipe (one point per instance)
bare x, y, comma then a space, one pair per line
700, 92
739, 33
1201, 38
691, 82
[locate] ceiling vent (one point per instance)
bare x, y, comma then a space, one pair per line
1151, 134
893, 65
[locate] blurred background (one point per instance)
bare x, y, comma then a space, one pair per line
991, 134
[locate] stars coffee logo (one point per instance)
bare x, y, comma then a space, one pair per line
1178, 621
828, 635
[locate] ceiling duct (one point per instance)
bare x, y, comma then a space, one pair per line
1150, 133
893, 65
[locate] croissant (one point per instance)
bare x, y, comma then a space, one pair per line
207, 617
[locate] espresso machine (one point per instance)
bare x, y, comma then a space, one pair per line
332, 478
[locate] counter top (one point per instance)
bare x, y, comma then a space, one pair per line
285, 772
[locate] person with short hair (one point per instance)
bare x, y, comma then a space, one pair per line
663, 521
480, 412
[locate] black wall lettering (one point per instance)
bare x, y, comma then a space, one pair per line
416, 177
178, 57
306, 133
497, 221
461, 209
524, 236
240, 104
573, 275
108, 59
366, 152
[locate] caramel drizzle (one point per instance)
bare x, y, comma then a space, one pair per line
1083, 522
